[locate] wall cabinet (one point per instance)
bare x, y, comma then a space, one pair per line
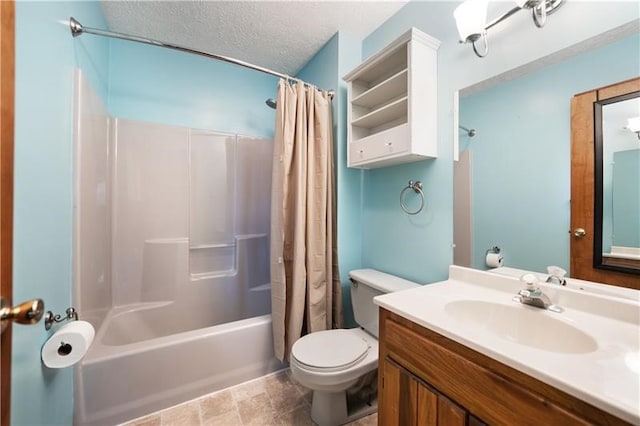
392, 107
427, 379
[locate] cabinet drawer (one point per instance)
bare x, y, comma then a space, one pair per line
484, 393
384, 144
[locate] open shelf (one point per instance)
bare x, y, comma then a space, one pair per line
378, 117
392, 87
393, 103
377, 71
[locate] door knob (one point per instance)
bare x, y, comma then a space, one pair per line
579, 232
28, 312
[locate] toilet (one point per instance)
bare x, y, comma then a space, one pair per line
330, 362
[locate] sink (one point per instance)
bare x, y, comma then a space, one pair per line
591, 350
525, 325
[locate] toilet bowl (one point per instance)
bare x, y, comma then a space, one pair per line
319, 365
331, 362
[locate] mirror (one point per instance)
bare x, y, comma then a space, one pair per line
517, 166
617, 188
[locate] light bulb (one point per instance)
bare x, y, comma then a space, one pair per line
471, 17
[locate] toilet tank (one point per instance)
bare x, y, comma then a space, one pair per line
367, 284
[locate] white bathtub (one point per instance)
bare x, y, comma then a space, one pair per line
116, 383
171, 262
189, 335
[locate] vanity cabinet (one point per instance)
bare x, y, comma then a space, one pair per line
392, 107
408, 400
428, 379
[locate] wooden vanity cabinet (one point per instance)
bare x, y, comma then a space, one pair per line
410, 401
427, 379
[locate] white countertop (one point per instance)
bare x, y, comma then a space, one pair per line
607, 377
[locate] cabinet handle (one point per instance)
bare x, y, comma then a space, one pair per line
389, 143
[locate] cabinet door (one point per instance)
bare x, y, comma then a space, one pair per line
406, 401
398, 400
427, 406
450, 413
387, 143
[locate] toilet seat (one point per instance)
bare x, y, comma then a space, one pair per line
330, 350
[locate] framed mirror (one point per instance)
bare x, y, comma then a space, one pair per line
617, 183
593, 144
525, 180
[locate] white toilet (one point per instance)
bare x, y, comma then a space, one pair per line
330, 362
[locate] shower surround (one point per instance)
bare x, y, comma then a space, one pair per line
171, 261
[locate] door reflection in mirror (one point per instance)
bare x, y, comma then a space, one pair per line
617, 202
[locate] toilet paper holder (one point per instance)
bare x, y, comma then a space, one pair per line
494, 249
50, 318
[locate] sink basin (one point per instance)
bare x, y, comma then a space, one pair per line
521, 324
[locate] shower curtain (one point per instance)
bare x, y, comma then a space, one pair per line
306, 294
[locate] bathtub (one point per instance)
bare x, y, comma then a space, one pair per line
119, 382
156, 353
171, 262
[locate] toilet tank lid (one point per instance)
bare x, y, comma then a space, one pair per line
381, 281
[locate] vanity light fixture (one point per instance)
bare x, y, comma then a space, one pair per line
633, 124
471, 17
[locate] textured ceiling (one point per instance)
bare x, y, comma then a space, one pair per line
280, 35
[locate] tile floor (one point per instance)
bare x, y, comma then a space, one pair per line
270, 400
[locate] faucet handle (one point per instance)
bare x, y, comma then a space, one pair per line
556, 271
532, 290
530, 280
556, 275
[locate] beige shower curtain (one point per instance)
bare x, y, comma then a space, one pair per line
306, 294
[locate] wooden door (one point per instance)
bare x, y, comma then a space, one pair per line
7, 59
583, 185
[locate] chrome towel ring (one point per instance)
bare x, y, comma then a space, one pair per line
417, 187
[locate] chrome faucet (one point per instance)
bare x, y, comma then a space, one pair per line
533, 296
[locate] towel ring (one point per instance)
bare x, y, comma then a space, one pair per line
417, 187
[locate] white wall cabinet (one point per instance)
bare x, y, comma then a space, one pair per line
392, 108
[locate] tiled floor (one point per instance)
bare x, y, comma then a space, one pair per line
271, 400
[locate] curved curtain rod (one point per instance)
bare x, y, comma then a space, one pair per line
78, 29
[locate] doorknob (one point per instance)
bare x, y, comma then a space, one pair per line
28, 312
579, 232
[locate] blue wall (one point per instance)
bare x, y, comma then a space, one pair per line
350, 181
420, 248
521, 157
46, 55
626, 199
154, 84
